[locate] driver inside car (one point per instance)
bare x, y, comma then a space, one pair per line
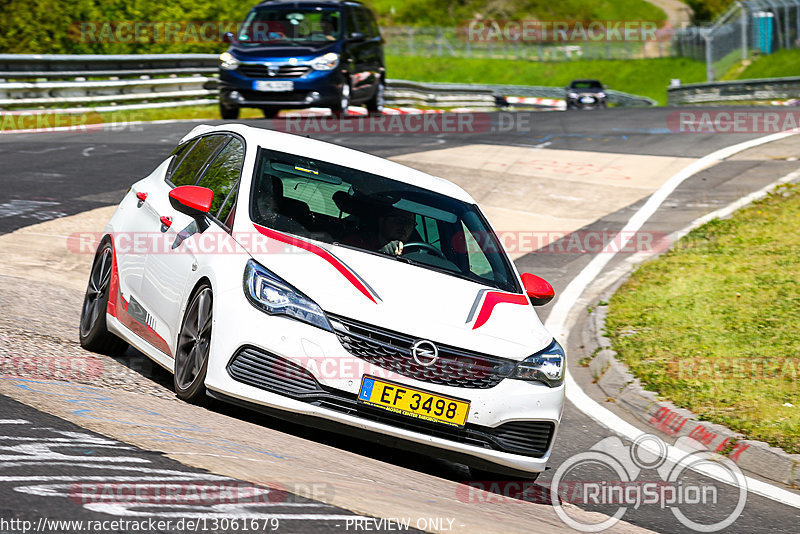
394, 228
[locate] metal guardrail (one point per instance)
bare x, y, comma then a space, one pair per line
734, 91
149, 80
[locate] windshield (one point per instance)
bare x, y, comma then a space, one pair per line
291, 25
587, 84
347, 207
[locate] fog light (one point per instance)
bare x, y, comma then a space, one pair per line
312, 96
234, 95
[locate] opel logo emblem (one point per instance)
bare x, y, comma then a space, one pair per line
272, 70
425, 353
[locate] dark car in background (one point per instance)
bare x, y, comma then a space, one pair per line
301, 54
586, 94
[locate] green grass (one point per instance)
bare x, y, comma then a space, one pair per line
713, 324
449, 13
778, 65
647, 77
76, 120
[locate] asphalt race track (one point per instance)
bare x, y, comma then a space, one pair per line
50, 176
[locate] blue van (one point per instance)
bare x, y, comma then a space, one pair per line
302, 54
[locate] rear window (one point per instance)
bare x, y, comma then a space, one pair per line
347, 207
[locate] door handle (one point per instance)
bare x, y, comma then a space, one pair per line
142, 197
166, 222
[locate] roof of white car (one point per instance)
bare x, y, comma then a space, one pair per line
303, 146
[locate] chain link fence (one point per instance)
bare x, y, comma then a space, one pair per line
749, 28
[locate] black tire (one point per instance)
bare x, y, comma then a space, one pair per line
270, 113
194, 343
376, 104
341, 107
93, 331
228, 114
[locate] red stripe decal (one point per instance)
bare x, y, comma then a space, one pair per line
319, 251
492, 299
118, 307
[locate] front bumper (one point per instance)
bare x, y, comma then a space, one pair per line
329, 396
314, 89
588, 100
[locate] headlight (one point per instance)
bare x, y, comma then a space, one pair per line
269, 293
546, 366
573, 95
601, 94
227, 61
327, 62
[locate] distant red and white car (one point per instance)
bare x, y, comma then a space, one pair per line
333, 288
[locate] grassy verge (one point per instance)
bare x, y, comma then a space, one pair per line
647, 77
712, 324
781, 63
12, 121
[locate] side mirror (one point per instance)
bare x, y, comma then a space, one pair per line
357, 36
538, 289
194, 201
227, 37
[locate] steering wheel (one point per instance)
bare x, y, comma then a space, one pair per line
423, 246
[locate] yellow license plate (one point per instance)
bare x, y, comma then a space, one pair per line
413, 402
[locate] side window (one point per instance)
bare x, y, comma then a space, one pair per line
222, 177
363, 21
179, 153
352, 23
188, 170
478, 262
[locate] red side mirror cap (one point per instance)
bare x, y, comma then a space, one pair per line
538, 289
192, 200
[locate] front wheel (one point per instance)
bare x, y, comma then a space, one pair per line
341, 107
270, 113
93, 333
228, 114
194, 345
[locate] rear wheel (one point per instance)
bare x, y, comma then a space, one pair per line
194, 344
228, 113
94, 334
376, 104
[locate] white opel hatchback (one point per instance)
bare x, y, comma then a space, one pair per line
333, 288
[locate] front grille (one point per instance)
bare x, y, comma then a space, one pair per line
392, 351
261, 369
257, 70
267, 371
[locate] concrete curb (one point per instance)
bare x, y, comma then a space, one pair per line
622, 388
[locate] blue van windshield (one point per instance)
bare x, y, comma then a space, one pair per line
291, 25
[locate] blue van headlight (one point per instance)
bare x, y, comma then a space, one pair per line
227, 61
328, 61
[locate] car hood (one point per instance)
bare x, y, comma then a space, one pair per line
409, 299
271, 52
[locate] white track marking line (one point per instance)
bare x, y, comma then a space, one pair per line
14, 422
557, 322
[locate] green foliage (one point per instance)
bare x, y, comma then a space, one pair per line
54, 26
708, 10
